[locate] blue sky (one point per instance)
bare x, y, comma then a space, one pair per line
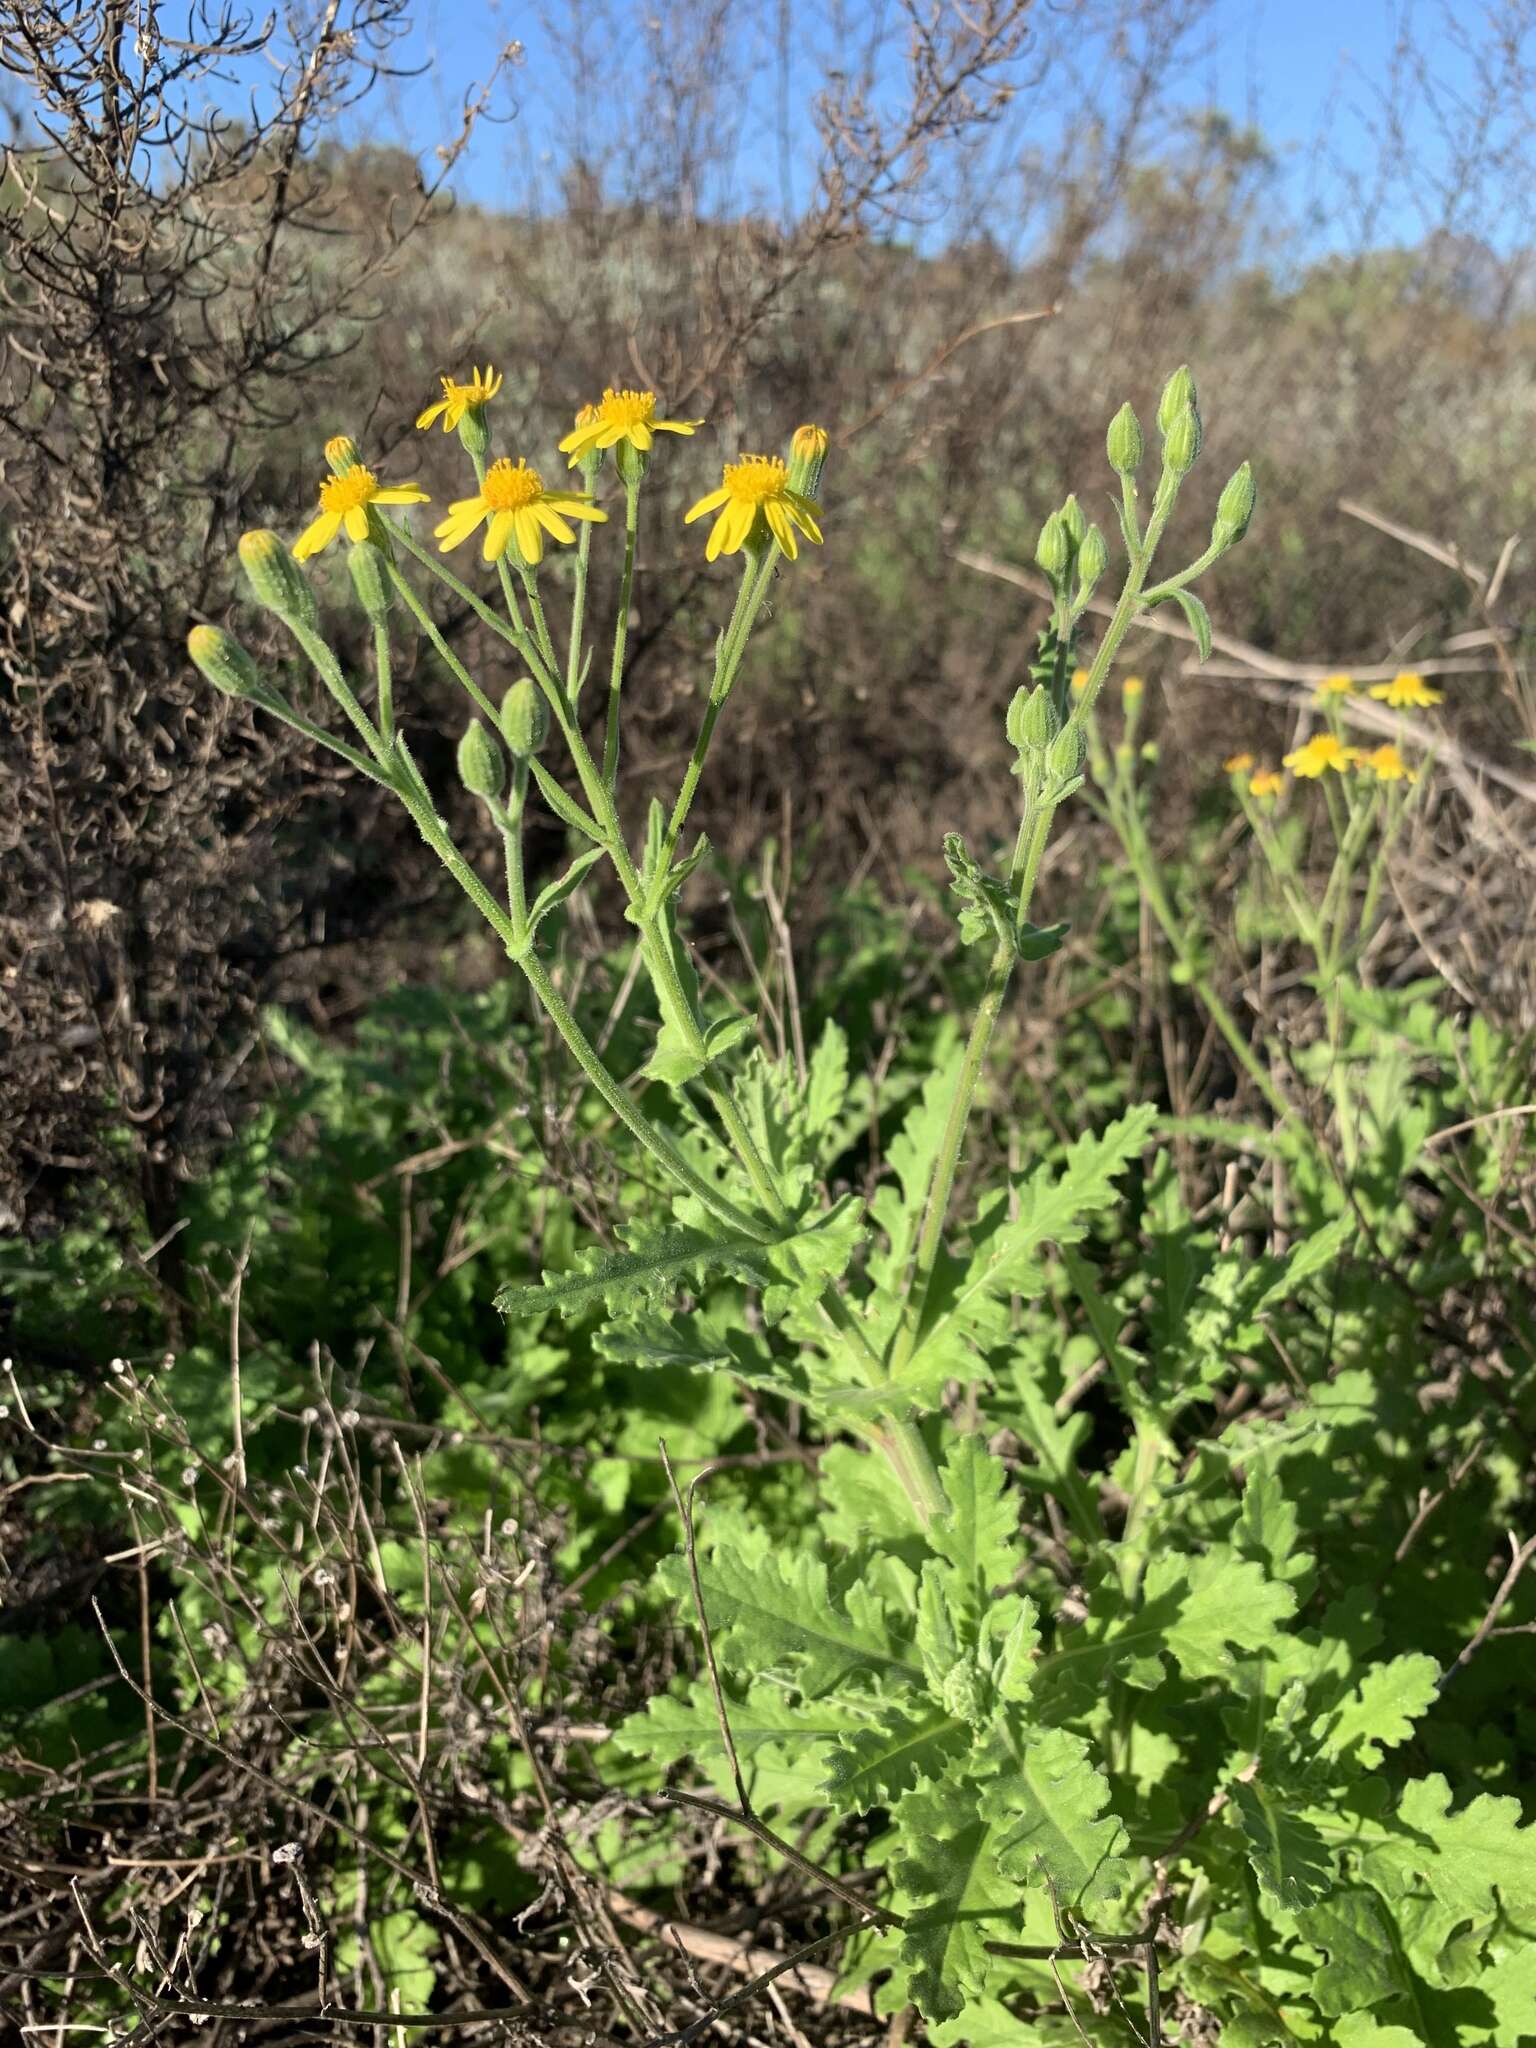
1302, 70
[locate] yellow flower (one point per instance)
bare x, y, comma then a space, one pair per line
1336, 686
1323, 751
347, 501
1133, 686
457, 399
1388, 765
620, 416
1268, 782
753, 494
1079, 681
515, 502
1405, 690
1238, 764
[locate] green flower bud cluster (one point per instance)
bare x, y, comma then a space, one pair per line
1178, 419
1074, 555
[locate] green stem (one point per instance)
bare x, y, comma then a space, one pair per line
329, 670
626, 1110
384, 671
621, 632
578, 611
445, 653
733, 646
536, 613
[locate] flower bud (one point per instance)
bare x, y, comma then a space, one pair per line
524, 718
341, 453
1124, 442
371, 581
1066, 755
1182, 446
1032, 719
807, 458
1234, 509
1053, 550
277, 580
1072, 519
1092, 561
482, 768
225, 662
1179, 397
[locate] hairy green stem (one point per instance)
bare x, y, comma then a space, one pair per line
621, 631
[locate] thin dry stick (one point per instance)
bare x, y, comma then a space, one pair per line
236, 1398
790, 1853
1521, 1555
145, 1644
685, 1515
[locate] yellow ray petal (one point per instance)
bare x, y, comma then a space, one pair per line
529, 536
551, 521
782, 527
317, 535
708, 503
497, 534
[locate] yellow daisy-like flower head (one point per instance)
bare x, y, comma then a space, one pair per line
1323, 751
514, 505
1407, 691
620, 416
458, 399
754, 499
1267, 782
348, 501
1132, 687
1336, 686
1079, 681
1388, 765
1238, 764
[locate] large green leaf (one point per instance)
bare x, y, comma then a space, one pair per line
770, 1606
1060, 1830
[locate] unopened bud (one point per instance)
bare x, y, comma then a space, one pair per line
1053, 550
1124, 442
1179, 397
1066, 755
1182, 447
224, 662
482, 770
1234, 509
1032, 719
1072, 519
341, 453
370, 580
524, 718
277, 580
1092, 560
807, 458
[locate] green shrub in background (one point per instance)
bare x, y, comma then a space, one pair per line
1117, 1652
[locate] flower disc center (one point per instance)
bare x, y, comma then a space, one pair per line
510, 486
